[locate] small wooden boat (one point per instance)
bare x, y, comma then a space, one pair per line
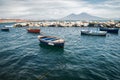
33, 30
51, 41
93, 33
109, 30
4, 29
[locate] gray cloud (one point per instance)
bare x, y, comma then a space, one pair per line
43, 9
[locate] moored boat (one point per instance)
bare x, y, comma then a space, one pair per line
33, 30
51, 41
93, 33
4, 29
109, 30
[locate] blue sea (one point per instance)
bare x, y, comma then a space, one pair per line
83, 57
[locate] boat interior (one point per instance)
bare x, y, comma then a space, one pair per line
49, 39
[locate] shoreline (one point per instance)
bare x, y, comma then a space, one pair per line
68, 24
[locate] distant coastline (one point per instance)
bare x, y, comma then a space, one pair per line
11, 20
62, 23
69, 23
53, 20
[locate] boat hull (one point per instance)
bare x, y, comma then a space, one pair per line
94, 33
33, 30
61, 45
5, 29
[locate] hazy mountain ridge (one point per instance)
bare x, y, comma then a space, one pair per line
81, 16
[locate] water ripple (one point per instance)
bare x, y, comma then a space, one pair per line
83, 58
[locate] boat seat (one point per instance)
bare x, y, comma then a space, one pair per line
53, 39
49, 39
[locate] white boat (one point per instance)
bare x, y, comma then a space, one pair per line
93, 33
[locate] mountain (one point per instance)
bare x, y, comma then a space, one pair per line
81, 16
114, 18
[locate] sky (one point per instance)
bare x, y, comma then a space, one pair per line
55, 9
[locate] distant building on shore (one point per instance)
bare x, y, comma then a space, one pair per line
11, 20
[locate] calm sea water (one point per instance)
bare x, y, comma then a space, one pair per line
83, 58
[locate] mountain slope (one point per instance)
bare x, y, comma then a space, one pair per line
82, 16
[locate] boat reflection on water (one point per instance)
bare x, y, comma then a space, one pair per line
53, 48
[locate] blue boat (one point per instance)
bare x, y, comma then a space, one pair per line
51, 41
109, 30
4, 29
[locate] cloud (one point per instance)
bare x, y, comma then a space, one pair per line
47, 9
